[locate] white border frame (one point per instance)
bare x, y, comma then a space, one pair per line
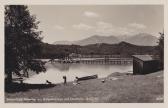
83, 2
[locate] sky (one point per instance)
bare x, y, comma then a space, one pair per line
76, 22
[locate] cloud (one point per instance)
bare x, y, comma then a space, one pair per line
105, 28
82, 26
126, 31
58, 27
104, 25
137, 25
90, 14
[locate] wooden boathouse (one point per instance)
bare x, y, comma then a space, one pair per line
144, 64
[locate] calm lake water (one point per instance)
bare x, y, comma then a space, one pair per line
55, 72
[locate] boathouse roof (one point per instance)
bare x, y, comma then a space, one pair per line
144, 57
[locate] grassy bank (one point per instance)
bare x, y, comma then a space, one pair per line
116, 88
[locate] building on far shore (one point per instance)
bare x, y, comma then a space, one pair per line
144, 64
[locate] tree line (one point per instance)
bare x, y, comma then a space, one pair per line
123, 49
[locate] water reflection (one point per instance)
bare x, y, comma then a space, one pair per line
55, 71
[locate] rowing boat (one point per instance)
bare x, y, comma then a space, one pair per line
87, 77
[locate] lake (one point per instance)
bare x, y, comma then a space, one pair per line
55, 71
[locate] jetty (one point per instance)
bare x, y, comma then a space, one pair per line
97, 60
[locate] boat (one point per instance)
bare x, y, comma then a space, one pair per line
87, 77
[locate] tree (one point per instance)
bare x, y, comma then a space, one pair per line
22, 41
161, 49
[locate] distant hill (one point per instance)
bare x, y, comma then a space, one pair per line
63, 43
98, 39
91, 40
123, 48
142, 39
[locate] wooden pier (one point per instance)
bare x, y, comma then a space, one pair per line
110, 61
117, 61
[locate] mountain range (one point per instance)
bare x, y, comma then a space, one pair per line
141, 39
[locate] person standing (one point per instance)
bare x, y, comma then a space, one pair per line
65, 80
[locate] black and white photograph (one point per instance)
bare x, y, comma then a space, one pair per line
84, 53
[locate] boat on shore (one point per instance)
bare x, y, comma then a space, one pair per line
87, 77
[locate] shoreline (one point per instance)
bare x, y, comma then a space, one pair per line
110, 75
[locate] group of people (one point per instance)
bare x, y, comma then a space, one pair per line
75, 81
